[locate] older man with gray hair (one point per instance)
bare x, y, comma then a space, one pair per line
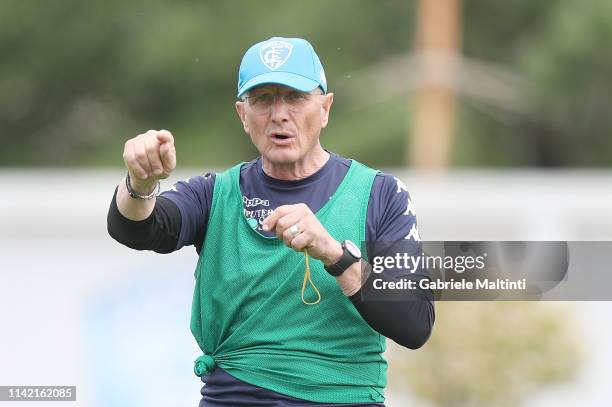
278, 310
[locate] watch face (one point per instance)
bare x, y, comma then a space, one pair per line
352, 249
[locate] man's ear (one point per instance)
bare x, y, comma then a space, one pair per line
240, 109
328, 99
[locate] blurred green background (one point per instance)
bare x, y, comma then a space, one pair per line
77, 79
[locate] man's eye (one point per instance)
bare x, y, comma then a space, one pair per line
295, 97
264, 99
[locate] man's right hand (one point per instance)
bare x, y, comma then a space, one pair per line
149, 157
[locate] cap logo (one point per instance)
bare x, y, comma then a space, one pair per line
274, 54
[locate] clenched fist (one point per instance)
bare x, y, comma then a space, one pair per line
149, 157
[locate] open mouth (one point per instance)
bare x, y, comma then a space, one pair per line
281, 137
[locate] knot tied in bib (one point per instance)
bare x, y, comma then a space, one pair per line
204, 365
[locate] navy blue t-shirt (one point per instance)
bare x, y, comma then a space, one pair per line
390, 217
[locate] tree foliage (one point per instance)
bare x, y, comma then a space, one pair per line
77, 79
497, 353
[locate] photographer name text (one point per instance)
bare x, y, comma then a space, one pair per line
424, 284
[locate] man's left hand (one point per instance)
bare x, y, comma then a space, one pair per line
300, 229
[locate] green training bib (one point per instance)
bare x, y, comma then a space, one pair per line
248, 316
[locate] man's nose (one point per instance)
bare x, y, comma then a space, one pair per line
279, 110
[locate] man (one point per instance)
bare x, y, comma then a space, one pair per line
277, 307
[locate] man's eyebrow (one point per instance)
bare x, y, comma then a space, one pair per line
260, 92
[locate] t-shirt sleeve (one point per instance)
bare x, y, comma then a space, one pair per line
405, 316
193, 197
159, 232
392, 223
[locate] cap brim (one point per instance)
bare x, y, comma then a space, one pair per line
280, 78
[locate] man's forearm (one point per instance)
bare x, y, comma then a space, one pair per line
159, 231
352, 279
135, 209
405, 316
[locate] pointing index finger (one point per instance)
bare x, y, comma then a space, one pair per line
164, 136
168, 157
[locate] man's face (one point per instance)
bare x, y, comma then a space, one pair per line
284, 124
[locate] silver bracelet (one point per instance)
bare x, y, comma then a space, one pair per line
136, 195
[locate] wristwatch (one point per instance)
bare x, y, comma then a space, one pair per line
350, 255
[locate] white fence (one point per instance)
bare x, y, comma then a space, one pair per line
79, 309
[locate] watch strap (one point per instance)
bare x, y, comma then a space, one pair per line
346, 261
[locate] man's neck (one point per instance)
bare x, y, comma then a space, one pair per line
296, 170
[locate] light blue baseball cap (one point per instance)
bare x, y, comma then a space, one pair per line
285, 61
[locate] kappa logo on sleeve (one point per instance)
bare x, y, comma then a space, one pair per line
274, 54
410, 208
400, 185
414, 234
